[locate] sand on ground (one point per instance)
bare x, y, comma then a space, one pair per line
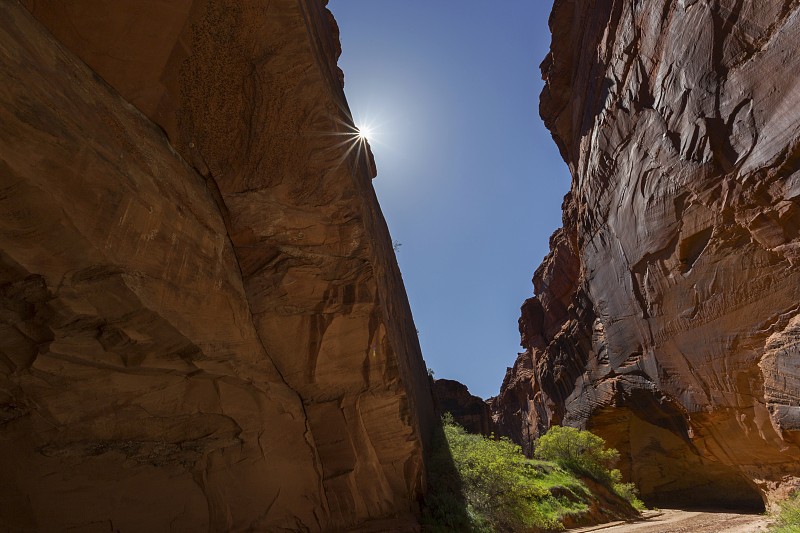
688, 521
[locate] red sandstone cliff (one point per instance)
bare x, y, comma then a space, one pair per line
203, 323
667, 314
469, 411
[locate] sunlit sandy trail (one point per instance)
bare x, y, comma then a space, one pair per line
678, 521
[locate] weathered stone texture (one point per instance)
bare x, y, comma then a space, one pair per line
469, 411
205, 330
666, 315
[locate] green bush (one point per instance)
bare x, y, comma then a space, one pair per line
584, 453
497, 486
788, 518
486, 485
581, 451
629, 492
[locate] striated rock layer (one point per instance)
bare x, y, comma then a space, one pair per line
667, 314
203, 323
469, 411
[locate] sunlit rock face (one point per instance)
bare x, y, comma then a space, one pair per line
203, 323
667, 315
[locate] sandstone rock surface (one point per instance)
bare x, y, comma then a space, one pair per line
471, 412
666, 316
203, 324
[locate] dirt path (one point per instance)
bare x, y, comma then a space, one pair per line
677, 521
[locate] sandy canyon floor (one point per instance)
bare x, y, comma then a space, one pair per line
679, 521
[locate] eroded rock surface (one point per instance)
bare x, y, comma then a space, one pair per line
203, 324
469, 411
666, 314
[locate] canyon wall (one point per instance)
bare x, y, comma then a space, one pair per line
203, 323
667, 314
469, 411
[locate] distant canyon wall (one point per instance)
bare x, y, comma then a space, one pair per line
203, 323
468, 411
667, 313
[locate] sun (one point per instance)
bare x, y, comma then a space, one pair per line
364, 132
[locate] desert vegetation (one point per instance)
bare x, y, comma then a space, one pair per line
584, 453
480, 484
788, 516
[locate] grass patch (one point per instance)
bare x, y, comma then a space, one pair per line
480, 484
788, 517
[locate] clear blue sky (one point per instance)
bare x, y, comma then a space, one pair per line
469, 179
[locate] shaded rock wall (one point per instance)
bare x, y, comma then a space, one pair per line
666, 314
204, 326
471, 412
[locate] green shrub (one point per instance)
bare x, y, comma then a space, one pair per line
788, 518
584, 453
629, 492
499, 489
581, 451
480, 484
486, 485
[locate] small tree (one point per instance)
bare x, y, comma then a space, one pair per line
581, 451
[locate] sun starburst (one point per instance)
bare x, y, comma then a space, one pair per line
355, 138
365, 132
